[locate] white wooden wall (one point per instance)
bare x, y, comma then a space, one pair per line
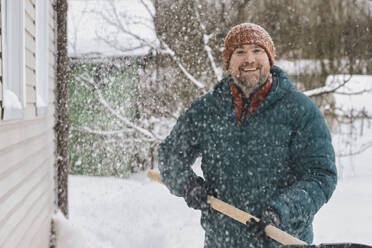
27, 174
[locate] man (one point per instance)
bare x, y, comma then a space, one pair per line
265, 148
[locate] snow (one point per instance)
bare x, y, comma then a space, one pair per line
356, 136
11, 100
347, 216
360, 88
133, 212
72, 235
298, 66
139, 213
40, 100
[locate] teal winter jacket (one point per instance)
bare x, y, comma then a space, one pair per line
279, 156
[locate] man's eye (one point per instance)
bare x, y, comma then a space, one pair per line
239, 52
258, 50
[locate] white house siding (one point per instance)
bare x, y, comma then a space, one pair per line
27, 174
1, 73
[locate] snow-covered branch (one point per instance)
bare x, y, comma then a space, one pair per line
169, 51
101, 132
207, 48
156, 45
345, 116
117, 23
115, 44
111, 133
147, 7
338, 86
332, 88
116, 113
130, 141
354, 93
362, 149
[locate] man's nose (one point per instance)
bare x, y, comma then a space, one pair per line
248, 58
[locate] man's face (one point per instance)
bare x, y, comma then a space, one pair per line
249, 67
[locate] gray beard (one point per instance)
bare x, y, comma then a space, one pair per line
250, 87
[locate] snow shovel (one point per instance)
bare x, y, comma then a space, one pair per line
271, 231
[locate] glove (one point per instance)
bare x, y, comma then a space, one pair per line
269, 216
197, 194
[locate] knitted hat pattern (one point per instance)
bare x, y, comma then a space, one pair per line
247, 33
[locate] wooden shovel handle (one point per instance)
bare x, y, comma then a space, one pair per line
241, 216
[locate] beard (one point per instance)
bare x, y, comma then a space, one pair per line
250, 81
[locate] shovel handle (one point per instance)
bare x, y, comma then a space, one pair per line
241, 216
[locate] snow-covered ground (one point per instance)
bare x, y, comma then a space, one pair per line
139, 213
135, 213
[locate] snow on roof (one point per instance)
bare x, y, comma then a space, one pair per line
84, 25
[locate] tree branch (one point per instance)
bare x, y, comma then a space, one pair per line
115, 113
101, 132
354, 93
120, 27
115, 44
207, 48
168, 51
326, 89
147, 8
172, 54
363, 148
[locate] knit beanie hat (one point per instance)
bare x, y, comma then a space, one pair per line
247, 33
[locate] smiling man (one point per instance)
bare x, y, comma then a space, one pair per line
249, 67
265, 148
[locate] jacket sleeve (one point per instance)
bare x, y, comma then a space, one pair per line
312, 162
178, 152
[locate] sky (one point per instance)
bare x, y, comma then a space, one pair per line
84, 23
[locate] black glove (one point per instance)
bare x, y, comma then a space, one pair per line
269, 216
197, 194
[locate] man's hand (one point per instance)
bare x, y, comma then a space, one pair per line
197, 194
269, 216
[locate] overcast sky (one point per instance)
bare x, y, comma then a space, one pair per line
84, 24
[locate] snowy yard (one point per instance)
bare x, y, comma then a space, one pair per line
139, 213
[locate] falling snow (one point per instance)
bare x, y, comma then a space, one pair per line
127, 86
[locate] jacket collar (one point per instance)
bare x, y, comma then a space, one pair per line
246, 106
281, 85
